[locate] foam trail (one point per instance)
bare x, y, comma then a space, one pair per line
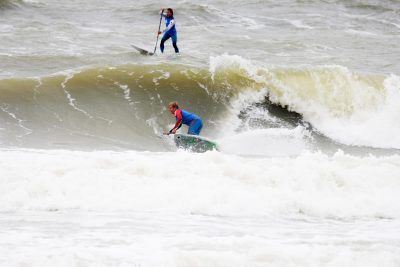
71, 99
18, 120
126, 90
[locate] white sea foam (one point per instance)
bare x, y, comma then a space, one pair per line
106, 208
266, 142
212, 183
162, 239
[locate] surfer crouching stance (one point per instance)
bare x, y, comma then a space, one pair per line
183, 117
170, 30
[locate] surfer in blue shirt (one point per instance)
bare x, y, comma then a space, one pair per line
170, 30
184, 117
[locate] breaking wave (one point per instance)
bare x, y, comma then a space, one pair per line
125, 106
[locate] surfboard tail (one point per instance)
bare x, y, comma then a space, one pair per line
143, 51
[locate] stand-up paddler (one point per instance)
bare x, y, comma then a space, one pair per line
170, 30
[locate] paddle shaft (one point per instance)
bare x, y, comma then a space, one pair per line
159, 27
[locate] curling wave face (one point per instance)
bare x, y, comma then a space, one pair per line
124, 107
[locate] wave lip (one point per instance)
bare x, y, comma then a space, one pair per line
351, 108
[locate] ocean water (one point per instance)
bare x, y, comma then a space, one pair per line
302, 97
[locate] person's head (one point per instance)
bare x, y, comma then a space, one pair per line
173, 106
170, 12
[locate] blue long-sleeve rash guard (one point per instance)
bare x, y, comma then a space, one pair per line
170, 24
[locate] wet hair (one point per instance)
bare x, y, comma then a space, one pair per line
170, 10
173, 104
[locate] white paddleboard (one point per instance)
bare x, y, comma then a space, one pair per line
143, 51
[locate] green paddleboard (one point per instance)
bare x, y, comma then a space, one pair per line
194, 143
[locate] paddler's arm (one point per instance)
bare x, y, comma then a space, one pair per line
162, 12
162, 15
178, 124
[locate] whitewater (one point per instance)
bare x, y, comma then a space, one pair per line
302, 98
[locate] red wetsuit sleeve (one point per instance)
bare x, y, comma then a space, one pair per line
178, 116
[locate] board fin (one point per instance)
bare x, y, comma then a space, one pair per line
143, 51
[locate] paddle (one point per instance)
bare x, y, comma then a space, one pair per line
159, 27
